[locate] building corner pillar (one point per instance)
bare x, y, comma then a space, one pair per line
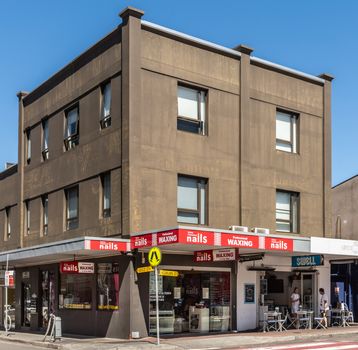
327, 155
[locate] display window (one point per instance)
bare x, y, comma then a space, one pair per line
75, 291
107, 286
195, 302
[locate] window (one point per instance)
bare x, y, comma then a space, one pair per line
44, 139
106, 195
27, 217
8, 222
45, 215
75, 291
287, 211
72, 208
106, 106
107, 286
28, 146
286, 132
71, 131
192, 200
191, 110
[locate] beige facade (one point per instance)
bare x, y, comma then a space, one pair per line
145, 152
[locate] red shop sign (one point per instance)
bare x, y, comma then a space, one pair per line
108, 245
239, 241
69, 267
203, 256
196, 237
168, 237
142, 241
283, 244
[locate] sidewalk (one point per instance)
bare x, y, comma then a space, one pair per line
177, 343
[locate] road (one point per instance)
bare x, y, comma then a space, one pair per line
341, 342
17, 346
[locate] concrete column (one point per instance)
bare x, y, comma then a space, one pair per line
131, 136
244, 125
20, 168
327, 156
131, 96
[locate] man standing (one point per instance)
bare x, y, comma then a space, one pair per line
323, 306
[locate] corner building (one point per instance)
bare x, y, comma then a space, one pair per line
153, 137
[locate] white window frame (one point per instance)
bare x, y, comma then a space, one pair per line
289, 143
106, 112
201, 210
292, 212
45, 139
71, 139
186, 121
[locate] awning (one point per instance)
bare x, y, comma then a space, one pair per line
80, 248
189, 239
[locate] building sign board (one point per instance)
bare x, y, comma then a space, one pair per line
239, 241
307, 260
10, 278
167, 237
203, 256
197, 237
225, 254
142, 241
144, 269
282, 244
76, 267
107, 245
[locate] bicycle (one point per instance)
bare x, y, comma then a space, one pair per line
7, 318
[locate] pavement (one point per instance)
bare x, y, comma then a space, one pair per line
208, 342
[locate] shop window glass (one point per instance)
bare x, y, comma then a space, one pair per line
107, 286
286, 132
106, 106
75, 291
197, 302
287, 211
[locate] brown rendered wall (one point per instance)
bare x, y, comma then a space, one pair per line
345, 209
145, 152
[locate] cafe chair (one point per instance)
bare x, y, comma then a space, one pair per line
320, 322
347, 316
271, 323
291, 322
281, 323
303, 322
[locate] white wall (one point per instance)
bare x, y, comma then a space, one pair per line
246, 313
324, 281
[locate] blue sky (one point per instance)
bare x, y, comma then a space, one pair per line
39, 37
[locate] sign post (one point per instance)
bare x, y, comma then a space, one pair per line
154, 258
6, 295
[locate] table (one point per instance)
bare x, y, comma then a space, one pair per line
272, 315
303, 314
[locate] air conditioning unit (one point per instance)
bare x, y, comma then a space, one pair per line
265, 231
239, 228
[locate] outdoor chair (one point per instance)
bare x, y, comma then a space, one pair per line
303, 322
320, 322
347, 316
290, 321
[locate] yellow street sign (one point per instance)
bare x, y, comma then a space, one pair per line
154, 256
168, 273
144, 269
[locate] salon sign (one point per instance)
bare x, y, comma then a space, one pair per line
76, 267
307, 260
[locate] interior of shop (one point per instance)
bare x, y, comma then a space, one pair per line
197, 302
276, 289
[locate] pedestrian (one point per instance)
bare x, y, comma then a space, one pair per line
323, 305
295, 302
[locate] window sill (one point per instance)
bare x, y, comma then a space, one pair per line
279, 151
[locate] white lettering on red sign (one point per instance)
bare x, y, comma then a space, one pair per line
141, 241
284, 244
197, 237
76, 267
203, 256
242, 241
167, 237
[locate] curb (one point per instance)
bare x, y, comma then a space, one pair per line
37, 343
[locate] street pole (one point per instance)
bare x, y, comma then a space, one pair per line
6, 295
157, 302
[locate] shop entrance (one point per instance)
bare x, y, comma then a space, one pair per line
277, 288
26, 304
196, 302
47, 296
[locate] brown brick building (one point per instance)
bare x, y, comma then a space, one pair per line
146, 129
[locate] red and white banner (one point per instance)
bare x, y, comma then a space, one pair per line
215, 255
76, 267
10, 278
107, 245
211, 238
282, 244
203, 256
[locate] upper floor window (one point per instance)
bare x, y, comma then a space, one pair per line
28, 145
106, 194
286, 132
8, 222
287, 211
192, 200
106, 106
44, 150
45, 214
191, 110
27, 217
72, 128
71, 208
